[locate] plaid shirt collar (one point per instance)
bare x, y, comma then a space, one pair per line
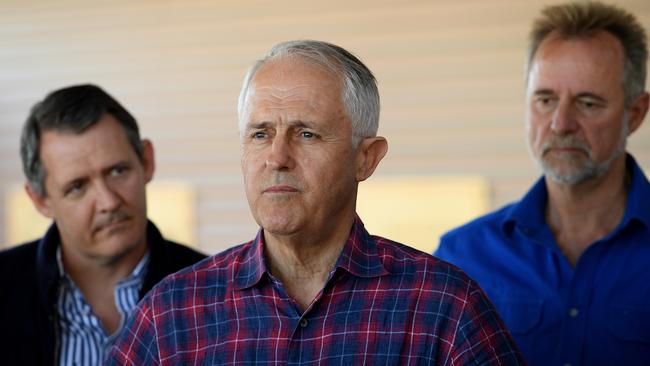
359, 257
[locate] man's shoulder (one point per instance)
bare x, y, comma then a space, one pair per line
214, 271
400, 259
491, 223
18, 257
19, 277
183, 254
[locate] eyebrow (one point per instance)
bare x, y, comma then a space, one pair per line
592, 96
579, 95
85, 177
543, 92
267, 124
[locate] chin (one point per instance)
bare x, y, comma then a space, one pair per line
278, 225
118, 246
278, 218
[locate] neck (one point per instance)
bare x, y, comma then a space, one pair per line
96, 279
581, 214
303, 261
93, 272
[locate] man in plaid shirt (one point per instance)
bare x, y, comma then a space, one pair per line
314, 287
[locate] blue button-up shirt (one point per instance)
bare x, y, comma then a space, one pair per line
81, 337
596, 313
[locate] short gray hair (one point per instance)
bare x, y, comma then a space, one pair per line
584, 19
359, 87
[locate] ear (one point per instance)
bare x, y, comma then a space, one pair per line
369, 153
638, 111
42, 204
148, 161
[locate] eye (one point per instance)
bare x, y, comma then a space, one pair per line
74, 188
589, 104
257, 135
118, 171
307, 135
544, 103
544, 100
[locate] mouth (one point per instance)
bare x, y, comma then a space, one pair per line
278, 189
565, 146
113, 224
564, 150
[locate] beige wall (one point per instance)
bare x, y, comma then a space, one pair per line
450, 77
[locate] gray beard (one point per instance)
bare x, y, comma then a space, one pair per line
588, 170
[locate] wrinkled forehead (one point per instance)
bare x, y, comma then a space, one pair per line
292, 81
595, 59
599, 46
295, 69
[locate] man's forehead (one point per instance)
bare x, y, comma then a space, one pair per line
106, 139
588, 61
282, 73
598, 47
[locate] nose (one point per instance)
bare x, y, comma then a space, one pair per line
279, 156
107, 199
564, 121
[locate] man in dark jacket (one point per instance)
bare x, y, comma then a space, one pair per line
65, 296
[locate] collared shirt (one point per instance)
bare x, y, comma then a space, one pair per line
81, 337
596, 313
383, 304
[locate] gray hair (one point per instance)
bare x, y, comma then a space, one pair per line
73, 109
359, 87
584, 19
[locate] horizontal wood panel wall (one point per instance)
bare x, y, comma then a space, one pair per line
450, 76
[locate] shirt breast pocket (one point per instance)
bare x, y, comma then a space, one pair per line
630, 324
521, 315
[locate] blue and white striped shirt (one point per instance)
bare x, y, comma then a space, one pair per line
81, 338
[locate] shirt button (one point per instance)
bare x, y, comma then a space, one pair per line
567, 364
573, 313
303, 322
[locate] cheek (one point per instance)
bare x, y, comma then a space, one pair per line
133, 193
251, 173
535, 132
75, 218
603, 142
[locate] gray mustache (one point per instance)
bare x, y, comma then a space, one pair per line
564, 142
109, 219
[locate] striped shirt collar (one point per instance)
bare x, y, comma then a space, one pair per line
81, 337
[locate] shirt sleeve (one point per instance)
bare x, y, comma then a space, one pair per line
137, 343
482, 337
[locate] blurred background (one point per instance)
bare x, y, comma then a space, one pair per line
450, 75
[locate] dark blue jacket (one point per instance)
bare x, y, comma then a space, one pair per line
29, 279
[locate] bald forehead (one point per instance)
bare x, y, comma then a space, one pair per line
285, 66
291, 79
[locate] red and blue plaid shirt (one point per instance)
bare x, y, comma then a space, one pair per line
383, 304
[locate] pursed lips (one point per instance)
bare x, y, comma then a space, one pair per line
114, 220
280, 189
565, 149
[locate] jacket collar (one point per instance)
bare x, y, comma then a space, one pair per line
47, 267
49, 275
160, 261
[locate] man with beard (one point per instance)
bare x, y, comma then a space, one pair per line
313, 287
64, 297
567, 266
